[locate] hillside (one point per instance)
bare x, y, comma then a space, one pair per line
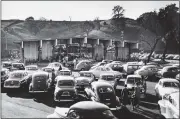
16, 30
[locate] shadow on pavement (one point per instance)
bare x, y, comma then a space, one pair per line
18, 93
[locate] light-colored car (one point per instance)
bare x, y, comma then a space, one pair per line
17, 66
177, 77
16, 79
98, 64
108, 77
169, 105
7, 65
148, 70
65, 73
131, 81
83, 110
131, 67
166, 86
57, 67
115, 66
31, 69
4, 75
87, 74
65, 89
97, 71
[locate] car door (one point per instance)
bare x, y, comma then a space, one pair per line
157, 87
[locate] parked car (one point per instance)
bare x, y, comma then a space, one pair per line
166, 86
4, 75
87, 74
120, 87
131, 80
169, 105
119, 62
39, 82
131, 67
108, 77
82, 83
57, 67
98, 64
97, 71
115, 66
84, 110
16, 79
7, 65
65, 73
31, 69
168, 72
65, 89
107, 61
18, 66
103, 92
147, 71
83, 65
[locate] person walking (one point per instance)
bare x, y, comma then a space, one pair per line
124, 95
137, 94
75, 62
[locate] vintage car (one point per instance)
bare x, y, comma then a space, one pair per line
147, 71
166, 86
87, 74
18, 66
4, 75
177, 65
83, 65
107, 61
108, 77
103, 92
98, 64
39, 82
131, 67
97, 71
120, 87
65, 89
7, 65
31, 68
131, 81
82, 83
168, 72
65, 73
169, 105
16, 79
57, 67
115, 66
84, 110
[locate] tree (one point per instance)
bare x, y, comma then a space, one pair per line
118, 23
97, 22
29, 19
42, 19
87, 27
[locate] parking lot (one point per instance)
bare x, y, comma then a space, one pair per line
20, 104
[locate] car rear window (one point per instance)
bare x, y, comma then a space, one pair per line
41, 77
65, 83
65, 73
6, 65
48, 70
85, 74
17, 65
105, 90
32, 68
16, 75
133, 80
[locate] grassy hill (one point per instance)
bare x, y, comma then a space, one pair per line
17, 30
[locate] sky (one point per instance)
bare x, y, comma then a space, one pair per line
77, 10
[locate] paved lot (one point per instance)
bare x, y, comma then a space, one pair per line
20, 104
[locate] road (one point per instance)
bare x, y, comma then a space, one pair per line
20, 104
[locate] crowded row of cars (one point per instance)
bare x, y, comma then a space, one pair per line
96, 84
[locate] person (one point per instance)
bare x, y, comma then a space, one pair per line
124, 95
137, 94
75, 62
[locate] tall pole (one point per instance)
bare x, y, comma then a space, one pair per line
6, 41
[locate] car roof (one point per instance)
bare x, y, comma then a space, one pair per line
65, 78
38, 73
31, 66
168, 80
135, 76
166, 67
85, 72
98, 84
149, 66
17, 63
89, 106
65, 70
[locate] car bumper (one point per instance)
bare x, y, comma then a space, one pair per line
64, 100
11, 86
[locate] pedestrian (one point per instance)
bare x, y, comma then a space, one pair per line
75, 62
137, 94
124, 95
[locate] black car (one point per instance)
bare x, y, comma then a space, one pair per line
84, 110
17, 66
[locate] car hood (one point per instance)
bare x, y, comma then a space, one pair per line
61, 111
168, 91
14, 79
130, 85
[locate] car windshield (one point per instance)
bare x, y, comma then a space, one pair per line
32, 68
133, 80
48, 70
65, 83
85, 74
65, 73
108, 78
16, 75
56, 65
6, 65
17, 65
3, 73
171, 84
